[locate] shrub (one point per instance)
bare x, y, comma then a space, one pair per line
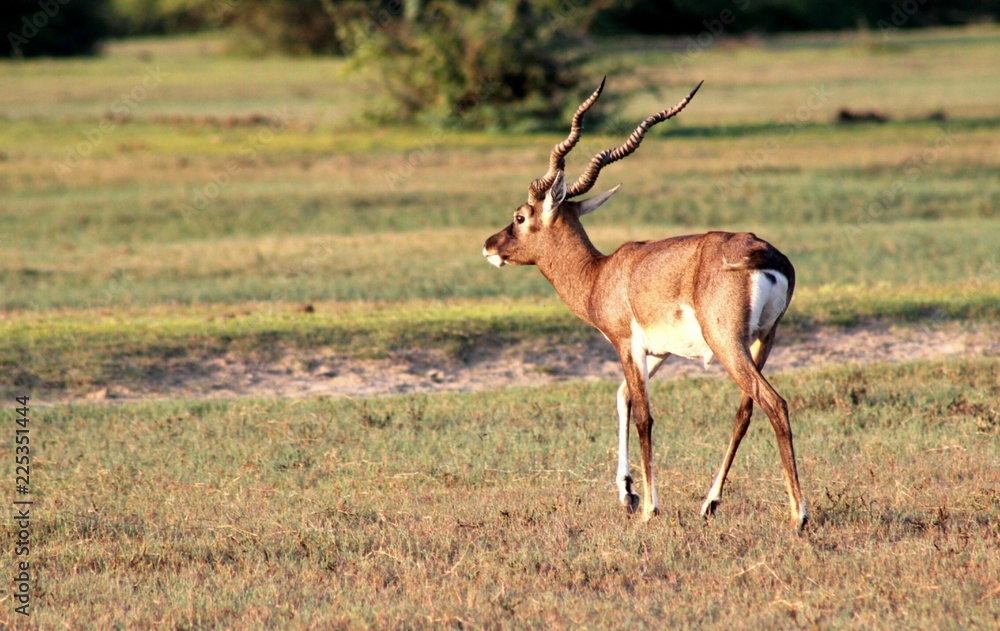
297, 28
494, 65
157, 17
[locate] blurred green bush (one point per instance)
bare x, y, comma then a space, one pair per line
495, 65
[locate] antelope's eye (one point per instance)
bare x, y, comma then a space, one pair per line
519, 218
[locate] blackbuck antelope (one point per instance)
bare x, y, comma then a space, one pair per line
718, 295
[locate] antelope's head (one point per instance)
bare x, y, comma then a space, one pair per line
550, 212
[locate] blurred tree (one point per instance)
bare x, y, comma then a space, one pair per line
148, 17
293, 27
33, 28
686, 17
476, 64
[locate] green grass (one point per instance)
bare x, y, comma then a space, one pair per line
447, 264
498, 509
57, 353
322, 208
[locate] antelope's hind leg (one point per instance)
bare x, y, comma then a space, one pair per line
759, 351
744, 368
714, 497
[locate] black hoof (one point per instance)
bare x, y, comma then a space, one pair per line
801, 525
632, 507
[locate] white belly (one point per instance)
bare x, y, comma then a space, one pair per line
682, 337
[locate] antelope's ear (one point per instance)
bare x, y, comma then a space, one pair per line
592, 204
554, 198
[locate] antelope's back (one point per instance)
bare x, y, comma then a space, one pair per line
734, 282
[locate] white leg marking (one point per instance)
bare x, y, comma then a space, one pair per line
656, 497
714, 495
653, 364
627, 495
650, 503
623, 475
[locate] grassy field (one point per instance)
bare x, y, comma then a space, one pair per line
165, 205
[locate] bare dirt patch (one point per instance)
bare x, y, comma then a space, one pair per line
299, 374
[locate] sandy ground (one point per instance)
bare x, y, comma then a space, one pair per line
300, 375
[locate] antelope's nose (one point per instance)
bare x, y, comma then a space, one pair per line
495, 259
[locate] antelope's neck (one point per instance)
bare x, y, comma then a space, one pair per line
572, 268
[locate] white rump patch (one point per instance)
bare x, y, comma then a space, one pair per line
768, 300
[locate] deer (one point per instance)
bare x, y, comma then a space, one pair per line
716, 295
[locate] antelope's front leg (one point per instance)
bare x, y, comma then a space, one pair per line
637, 382
623, 478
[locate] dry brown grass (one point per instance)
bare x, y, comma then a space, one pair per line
497, 510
